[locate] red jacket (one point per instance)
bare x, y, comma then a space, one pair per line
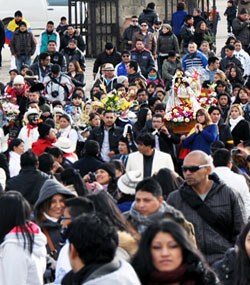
40, 146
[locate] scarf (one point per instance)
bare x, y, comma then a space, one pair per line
30, 127
65, 132
177, 275
52, 219
152, 77
141, 222
234, 122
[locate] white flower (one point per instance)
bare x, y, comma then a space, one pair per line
175, 120
187, 120
180, 119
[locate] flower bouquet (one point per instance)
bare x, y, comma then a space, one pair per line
9, 108
207, 98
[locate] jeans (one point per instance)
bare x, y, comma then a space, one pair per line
21, 60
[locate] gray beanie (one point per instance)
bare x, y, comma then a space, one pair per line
167, 26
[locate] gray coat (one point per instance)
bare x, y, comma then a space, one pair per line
167, 42
241, 30
168, 70
223, 202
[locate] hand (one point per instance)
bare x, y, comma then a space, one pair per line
165, 131
155, 56
111, 153
182, 138
86, 178
130, 42
56, 166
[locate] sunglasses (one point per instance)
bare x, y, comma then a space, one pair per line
144, 25
194, 168
126, 55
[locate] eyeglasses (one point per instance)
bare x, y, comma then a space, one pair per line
62, 218
194, 168
135, 21
126, 55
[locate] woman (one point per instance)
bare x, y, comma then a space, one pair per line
94, 119
48, 209
66, 129
239, 127
22, 244
103, 179
167, 256
154, 76
235, 76
230, 41
224, 102
201, 32
202, 135
4, 171
143, 115
76, 74
242, 97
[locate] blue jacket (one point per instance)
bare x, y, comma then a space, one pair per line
203, 140
121, 69
196, 60
144, 59
178, 21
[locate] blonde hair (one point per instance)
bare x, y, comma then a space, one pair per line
238, 106
221, 74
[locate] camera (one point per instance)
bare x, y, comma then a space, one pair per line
54, 94
92, 176
236, 151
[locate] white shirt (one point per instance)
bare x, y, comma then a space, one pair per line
63, 264
105, 146
14, 163
244, 58
28, 141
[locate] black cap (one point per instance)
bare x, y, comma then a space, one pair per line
23, 24
243, 11
18, 14
14, 70
37, 87
109, 46
109, 167
151, 5
172, 54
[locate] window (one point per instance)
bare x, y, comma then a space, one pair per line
57, 2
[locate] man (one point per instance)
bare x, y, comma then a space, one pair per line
169, 67
121, 68
22, 46
93, 242
243, 57
241, 28
129, 32
47, 35
42, 66
187, 31
70, 34
73, 53
223, 163
55, 56
178, 20
2, 40
107, 136
149, 15
108, 79
58, 85
193, 58
110, 55
150, 207
230, 57
146, 37
148, 159
30, 180
74, 207
62, 27
197, 16
90, 161
223, 129
133, 73
143, 57
209, 205
211, 68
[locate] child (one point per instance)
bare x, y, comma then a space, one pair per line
230, 13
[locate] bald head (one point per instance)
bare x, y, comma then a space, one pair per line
198, 156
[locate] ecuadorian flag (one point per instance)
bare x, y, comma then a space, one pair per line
12, 26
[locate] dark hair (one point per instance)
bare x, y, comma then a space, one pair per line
230, 47
55, 151
242, 264
14, 143
93, 237
4, 165
43, 55
142, 90
188, 17
72, 176
212, 108
66, 117
77, 66
215, 146
29, 158
221, 157
79, 205
238, 77
198, 27
207, 116
126, 52
91, 147
141, 118
224, 94
133, 64
237, 99
158, 116
105, 206
212, 59
180, 6
160, 107
15, 212
56, 102
93, 115
50, 23
146, 139
118, 164
151, 83
229, 40
143, 263
150, 185
55, 68
63, 18
46, 162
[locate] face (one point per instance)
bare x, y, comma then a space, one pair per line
66, 215
109, 51
109, 119
192, 48
24, 70
123, 149
149, 115
109, 73
77, 101
229, 53
200, 118
23, 28
57, 206
151, 89
96, 121
243, 96
160, 95
12, 75
18, 18
164, 30
142, 97
34, 97
144, 27
71, 30
195, 178
190, 22
19, 149
203, 26
238, 46
221, 88
235, 113
87, 108
236, 91
162, 112
204, 47
215, 116
157, 123
19, 87
139, 45
215, 65
216, 77
223, 101
143, 149
50, 28
72, 45
247, 244
146, 203
134, 21
126, 58
64, 123
102, 177
233, 72
46, 61
51, 135
166, 252
152, 73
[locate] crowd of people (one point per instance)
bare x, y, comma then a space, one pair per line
146, 179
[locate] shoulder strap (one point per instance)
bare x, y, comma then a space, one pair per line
206, 214
54, 253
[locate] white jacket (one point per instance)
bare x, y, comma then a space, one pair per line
244, 58
14, 163
63, 264
237, 183
160, 160
28, 141
17, 265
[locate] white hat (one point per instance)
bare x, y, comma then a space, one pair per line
58, 110
128, 182
30, 112
109, 66
19, 80
65, 144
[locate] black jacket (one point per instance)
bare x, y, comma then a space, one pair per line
103, 57
187, 34
66, 37
115, 133
226, 60
241, 30
74, 55
144, 59
28, 182
225, 135
128, 34
223, 202
58, 58
134, 76
2, 34
167, 42
241, 132
88, 163
148, 15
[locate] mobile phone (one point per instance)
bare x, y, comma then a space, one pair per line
236, 151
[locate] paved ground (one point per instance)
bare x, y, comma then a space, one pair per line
220, 41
